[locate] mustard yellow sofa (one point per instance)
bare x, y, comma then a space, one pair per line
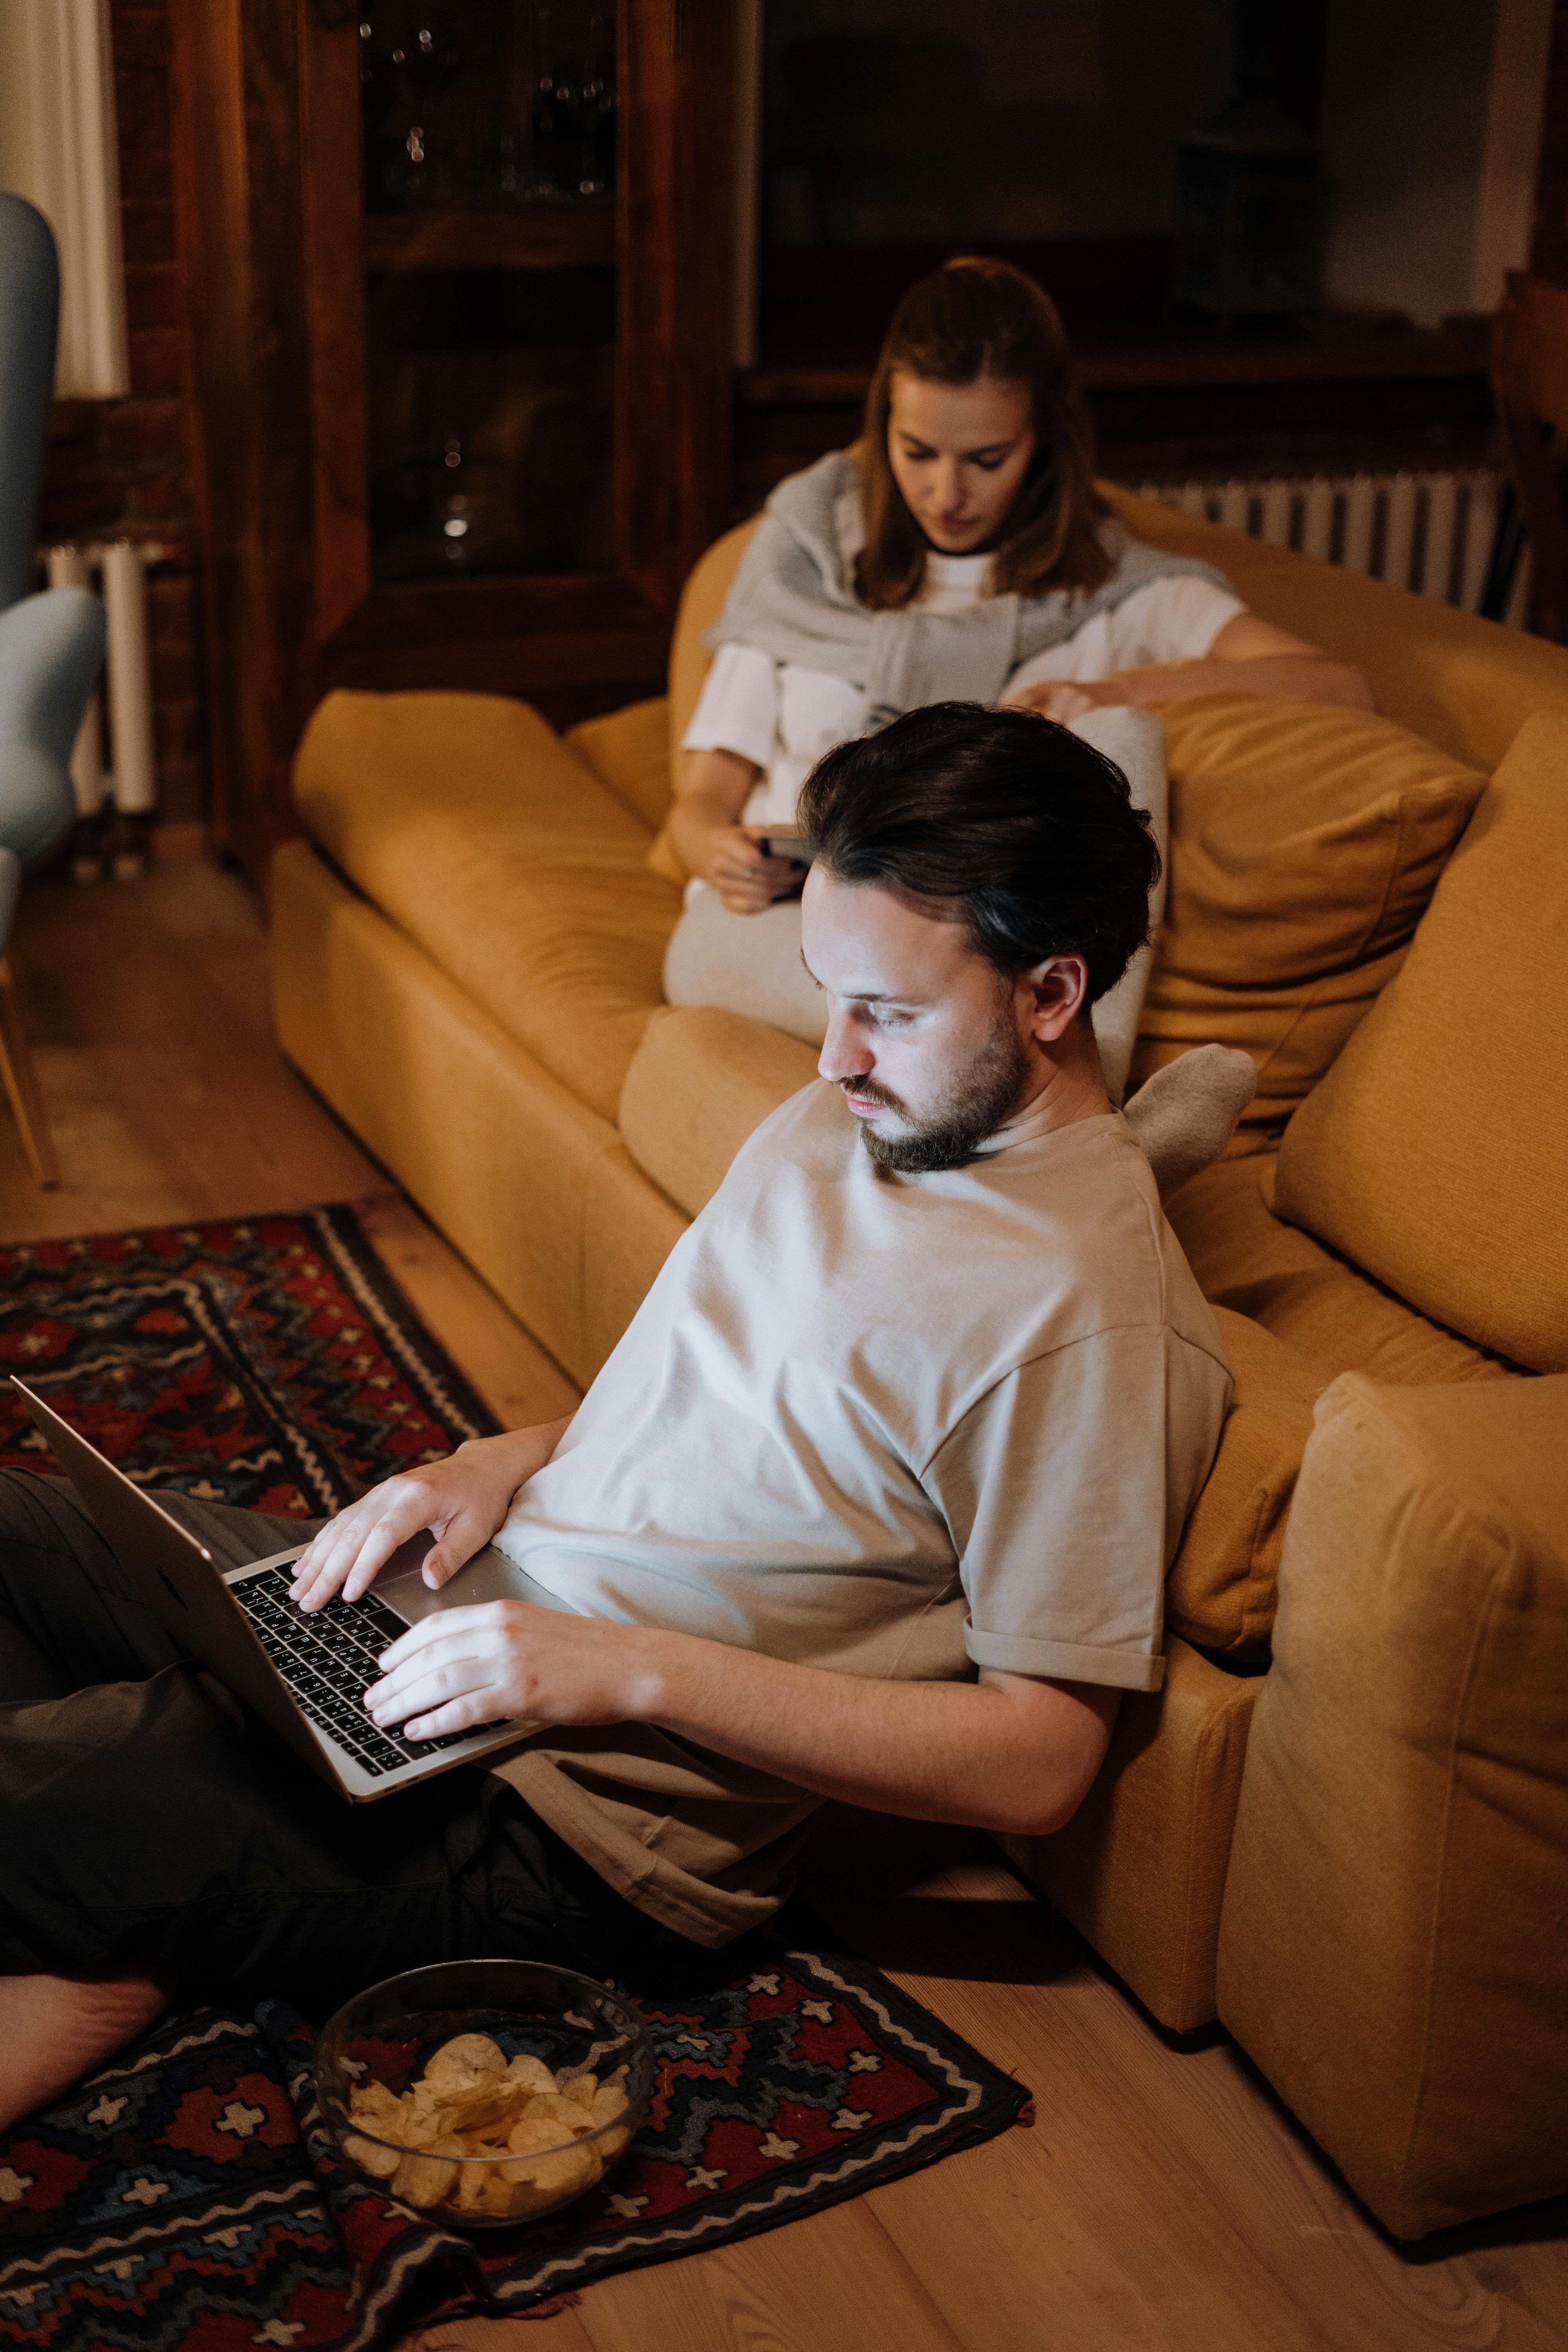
1342, 1825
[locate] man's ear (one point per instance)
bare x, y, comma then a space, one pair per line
1059, 987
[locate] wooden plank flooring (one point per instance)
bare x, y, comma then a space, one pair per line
1163, 2200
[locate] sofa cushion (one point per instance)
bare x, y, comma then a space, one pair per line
629, 750
468, 822
1305, 842
1220, 1592
1433, 1154
699, 1081
1246, 1258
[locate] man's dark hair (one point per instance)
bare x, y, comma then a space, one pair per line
1031, 828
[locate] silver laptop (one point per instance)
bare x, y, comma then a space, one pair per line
304, 1676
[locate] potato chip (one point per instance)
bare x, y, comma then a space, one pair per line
533, 2134
511, 2199
610, 2103
471, 2183
380, 2162
377, 2108
567, 2113
533, 2074
555, 2172
420, 2123
425, 2177
495, 2101
582, 2088
466, 2053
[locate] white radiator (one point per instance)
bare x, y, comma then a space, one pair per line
128, 777
1452, 536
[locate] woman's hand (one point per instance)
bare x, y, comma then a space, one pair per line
1063, 700
462, 1501
715, 846
747, 879
463, 1667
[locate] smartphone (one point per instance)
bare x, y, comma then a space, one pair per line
779, 841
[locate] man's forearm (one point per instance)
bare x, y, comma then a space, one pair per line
523, 1450
1006, 1753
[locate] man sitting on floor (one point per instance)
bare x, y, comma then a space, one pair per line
874, 1500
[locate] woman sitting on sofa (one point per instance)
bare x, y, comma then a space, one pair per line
959, 552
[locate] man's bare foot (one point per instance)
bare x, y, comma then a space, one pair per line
55, 2030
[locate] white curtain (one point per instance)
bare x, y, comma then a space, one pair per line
58, 149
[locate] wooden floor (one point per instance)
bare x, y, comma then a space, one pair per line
1163, 2200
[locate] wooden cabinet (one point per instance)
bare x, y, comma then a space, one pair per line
453, 431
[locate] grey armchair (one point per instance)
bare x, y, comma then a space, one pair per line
51, 644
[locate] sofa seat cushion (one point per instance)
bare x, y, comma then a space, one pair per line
467, 821
1432, 1154
1246, 1258
1305, 842
1220, 1592
699, 1081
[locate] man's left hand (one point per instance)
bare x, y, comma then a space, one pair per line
464, 1667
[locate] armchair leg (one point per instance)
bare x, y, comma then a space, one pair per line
22, 1086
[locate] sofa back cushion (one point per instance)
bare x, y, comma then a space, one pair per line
701, 601
1432, 1154
1306, 840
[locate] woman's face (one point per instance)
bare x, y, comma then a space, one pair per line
959, 452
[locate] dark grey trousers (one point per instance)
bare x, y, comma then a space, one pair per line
147, 1817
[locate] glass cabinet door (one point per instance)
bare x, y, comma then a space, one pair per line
487, 132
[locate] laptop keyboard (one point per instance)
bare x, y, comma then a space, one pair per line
329, 1660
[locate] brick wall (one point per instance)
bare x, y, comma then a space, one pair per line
122, 469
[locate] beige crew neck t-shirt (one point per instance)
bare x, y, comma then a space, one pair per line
899, 1426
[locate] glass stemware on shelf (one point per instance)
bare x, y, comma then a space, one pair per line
472, 102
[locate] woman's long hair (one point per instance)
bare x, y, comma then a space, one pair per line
972, 319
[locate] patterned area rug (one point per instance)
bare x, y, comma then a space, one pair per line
188, 2200
272, 1363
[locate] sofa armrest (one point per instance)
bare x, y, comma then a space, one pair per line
1392, 1950
1140, 1869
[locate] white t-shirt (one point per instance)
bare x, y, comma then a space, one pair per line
784, 717
899, 1426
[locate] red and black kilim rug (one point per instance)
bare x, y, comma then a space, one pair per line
188, 2198
272, 1362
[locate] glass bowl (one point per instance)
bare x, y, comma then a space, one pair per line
523, 2150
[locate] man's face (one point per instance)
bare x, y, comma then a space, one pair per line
932, 1047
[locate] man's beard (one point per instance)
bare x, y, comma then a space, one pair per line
975, 1109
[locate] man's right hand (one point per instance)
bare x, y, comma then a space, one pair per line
462, 1501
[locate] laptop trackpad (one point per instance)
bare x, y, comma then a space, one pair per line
489, 1576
